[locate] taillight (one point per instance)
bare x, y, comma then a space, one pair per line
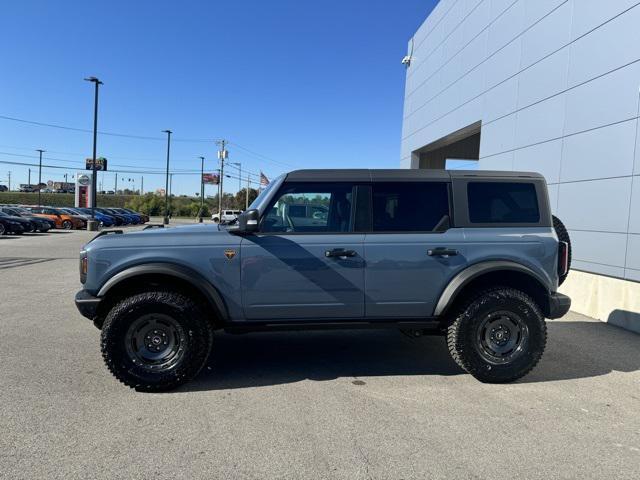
563, 258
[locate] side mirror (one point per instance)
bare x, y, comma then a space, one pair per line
248, 221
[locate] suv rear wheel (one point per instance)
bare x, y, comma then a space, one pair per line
156, 341
498, 336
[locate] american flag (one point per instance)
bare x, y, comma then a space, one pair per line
264, 181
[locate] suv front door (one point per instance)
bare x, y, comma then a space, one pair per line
410, 251
305, 262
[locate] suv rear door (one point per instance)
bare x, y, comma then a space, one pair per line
301, 264
410, 251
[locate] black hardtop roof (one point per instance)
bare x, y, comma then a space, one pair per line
399, 174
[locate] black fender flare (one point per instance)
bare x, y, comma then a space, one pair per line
461, 279
178, 271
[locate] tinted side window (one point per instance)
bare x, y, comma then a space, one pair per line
310, 208
409, 206
502, 202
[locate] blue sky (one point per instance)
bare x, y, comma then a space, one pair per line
297, 84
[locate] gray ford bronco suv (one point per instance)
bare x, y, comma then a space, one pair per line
472, 255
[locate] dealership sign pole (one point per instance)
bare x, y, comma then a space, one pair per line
92, 224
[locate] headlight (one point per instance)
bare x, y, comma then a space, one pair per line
84, 266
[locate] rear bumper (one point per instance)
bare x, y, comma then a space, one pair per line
87, 304
559, 305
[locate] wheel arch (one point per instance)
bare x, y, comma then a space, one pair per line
177, 277
502, 272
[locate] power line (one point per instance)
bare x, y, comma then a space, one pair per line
264, 157
140, 137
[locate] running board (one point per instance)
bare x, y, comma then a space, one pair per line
347, 324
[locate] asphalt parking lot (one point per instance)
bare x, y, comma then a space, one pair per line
347, 405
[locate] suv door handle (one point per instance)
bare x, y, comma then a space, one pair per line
442, 252
340, 252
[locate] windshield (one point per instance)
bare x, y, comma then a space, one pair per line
257, 203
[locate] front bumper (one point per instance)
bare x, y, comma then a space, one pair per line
87, 304
559, 305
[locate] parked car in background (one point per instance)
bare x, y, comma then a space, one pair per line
7, 225
104, 219
61, 219
27, 225
73, 211
25, 212
136, 217
133, 219
3, 188
41, 224
227, 216
118, 218
144, 216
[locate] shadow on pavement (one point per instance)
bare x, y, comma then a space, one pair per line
575, 349
8, 237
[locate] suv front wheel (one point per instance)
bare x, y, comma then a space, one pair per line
498, 336
156, 341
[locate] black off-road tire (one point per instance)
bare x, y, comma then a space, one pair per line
196, 337
563, 236
465, 338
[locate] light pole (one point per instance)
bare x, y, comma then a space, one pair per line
166, 189
201, 189
92, 224
39, 174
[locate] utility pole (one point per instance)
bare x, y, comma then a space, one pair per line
92, 224
142, 185
29, 181
116, 187
166, 189
39, 175
223, 154
201, 189
9, 177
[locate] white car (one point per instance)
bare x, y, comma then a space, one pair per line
227, 216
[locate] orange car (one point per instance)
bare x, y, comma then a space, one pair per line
62, 220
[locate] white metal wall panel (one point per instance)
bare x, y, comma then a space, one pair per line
543, 79
556, 85
585, 155
589, 205
589, 14
543, 158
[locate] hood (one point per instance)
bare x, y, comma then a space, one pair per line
11, 218
180, 236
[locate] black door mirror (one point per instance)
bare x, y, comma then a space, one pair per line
248, 221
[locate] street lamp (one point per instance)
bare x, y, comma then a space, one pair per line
93, 224
166, 190
39, 174
201, 189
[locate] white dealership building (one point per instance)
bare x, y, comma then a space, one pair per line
550, 86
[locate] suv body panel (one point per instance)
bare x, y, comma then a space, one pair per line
290, 276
